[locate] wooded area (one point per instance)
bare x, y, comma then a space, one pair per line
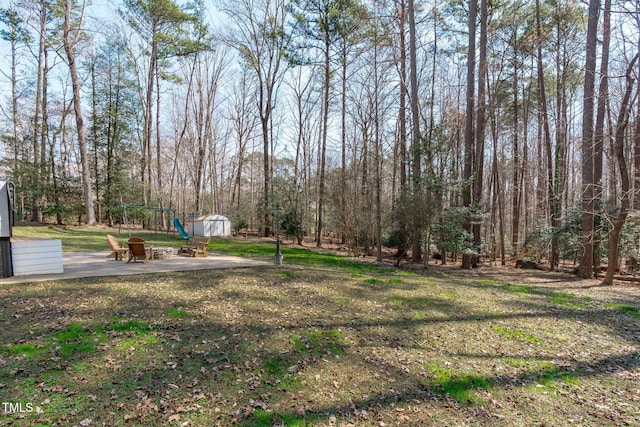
481, 131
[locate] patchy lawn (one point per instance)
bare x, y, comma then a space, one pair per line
333, 343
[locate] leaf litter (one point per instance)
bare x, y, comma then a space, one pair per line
294, 345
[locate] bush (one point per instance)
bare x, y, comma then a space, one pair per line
292, 226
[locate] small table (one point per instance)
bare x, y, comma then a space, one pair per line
160, 252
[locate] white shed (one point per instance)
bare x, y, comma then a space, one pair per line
211, 226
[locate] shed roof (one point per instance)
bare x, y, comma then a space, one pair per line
212, 217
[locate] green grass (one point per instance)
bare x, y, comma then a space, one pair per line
319, 343
568, 300
516, 334
560, 298
288, 274
461, 386
133, 325
551, 379
74, 341
27, 349
261, 418
176, 313
520, 289
279, 372
411, 302
69, 343
136, 342
487, 281
73, 332
528, 364
629, 310
375, 281
292, 255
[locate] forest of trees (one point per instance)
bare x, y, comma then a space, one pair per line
478, 130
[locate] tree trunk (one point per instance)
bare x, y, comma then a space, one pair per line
343, 148
586, 263
77, 107
94, 138
498, 197
561, 130
636, 158
526, 192
377, 158
323, 142
480, 130
14, 99
201, 149
264, 121
181, 135
416, 151
623, 121
515, 196
402, 128
598, 148
145, 167
159, 182
467, 199
41, 164
40, 101
542, 93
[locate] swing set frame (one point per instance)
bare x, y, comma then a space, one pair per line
156, 211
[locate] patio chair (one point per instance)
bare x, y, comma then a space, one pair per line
197, 249
117, 252
138, 251
200, 248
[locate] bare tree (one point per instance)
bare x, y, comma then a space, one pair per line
625, 187
599, 134
469, 140
162, 24
305, 103
261, 41
70, 39
516, 198
542, 105
478, 173
322, 24
39, 117
416, 150
586, 262
244, 119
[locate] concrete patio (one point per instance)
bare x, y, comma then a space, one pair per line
96, 264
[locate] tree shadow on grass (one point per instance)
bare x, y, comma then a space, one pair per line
245, 365
458, 390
